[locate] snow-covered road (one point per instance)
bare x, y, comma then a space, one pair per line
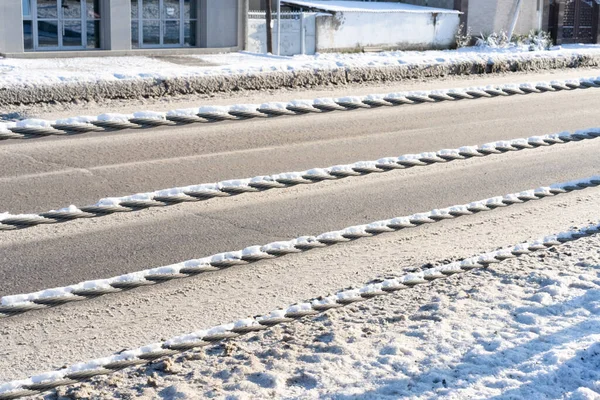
384, 348
522, 329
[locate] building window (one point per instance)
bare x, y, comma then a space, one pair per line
93, 24
135, 24
163, 23
27, 8
28, 35
27, 26
61, 24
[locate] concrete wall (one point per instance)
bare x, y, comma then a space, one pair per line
448, 4
11, 26
117, 27
291, 35
219, 20
487, 16
353, 31
260, 5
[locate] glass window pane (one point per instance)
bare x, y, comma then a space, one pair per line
189, 9
71, 8
47, 8
135, 35
151, 9
28, 35
171, 9
93, 34
171, 32
48, 33
151, 32
93, 9
189, 34
72, 34
134, 9
27, 8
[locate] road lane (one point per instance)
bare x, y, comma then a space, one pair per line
37, 176
54, 255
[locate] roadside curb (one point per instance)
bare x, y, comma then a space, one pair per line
153, 88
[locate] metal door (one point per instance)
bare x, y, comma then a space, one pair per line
578, 24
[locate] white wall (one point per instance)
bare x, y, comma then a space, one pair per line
117, 27
353, 30
220, 23
487, 16
11, 26
291, 35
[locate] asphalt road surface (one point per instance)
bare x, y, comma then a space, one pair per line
50, 173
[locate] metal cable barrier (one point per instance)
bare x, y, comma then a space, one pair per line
143, 355
172, 196
21, 303
36, 128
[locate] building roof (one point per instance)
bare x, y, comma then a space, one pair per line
366, 7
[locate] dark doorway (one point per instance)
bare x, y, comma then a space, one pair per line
577, 21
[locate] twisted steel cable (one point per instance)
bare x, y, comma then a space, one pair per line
35, 128
172, 196
21, 303
143, 355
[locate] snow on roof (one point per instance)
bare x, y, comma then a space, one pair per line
367, 7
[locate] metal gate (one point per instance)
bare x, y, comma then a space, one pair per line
579, 21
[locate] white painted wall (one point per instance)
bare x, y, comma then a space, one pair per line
291, 35
487, 16
11, 26
353, 30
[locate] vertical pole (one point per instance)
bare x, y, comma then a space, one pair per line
302, 34
596, 20
243, 19
546, 15
268, 15
278, 27
560, 20
514, 20
463, 6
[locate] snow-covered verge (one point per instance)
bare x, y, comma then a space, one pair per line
65, 80
526, 328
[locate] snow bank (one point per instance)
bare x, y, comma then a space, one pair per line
34, 81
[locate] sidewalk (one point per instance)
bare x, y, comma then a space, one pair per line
17, 72
64, 80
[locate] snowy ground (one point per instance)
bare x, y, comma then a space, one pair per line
26, 72
524, 329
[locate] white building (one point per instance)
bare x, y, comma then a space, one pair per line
30, 28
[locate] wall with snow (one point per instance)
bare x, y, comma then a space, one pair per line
449, 4
355, 30
292, 32
487, 16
